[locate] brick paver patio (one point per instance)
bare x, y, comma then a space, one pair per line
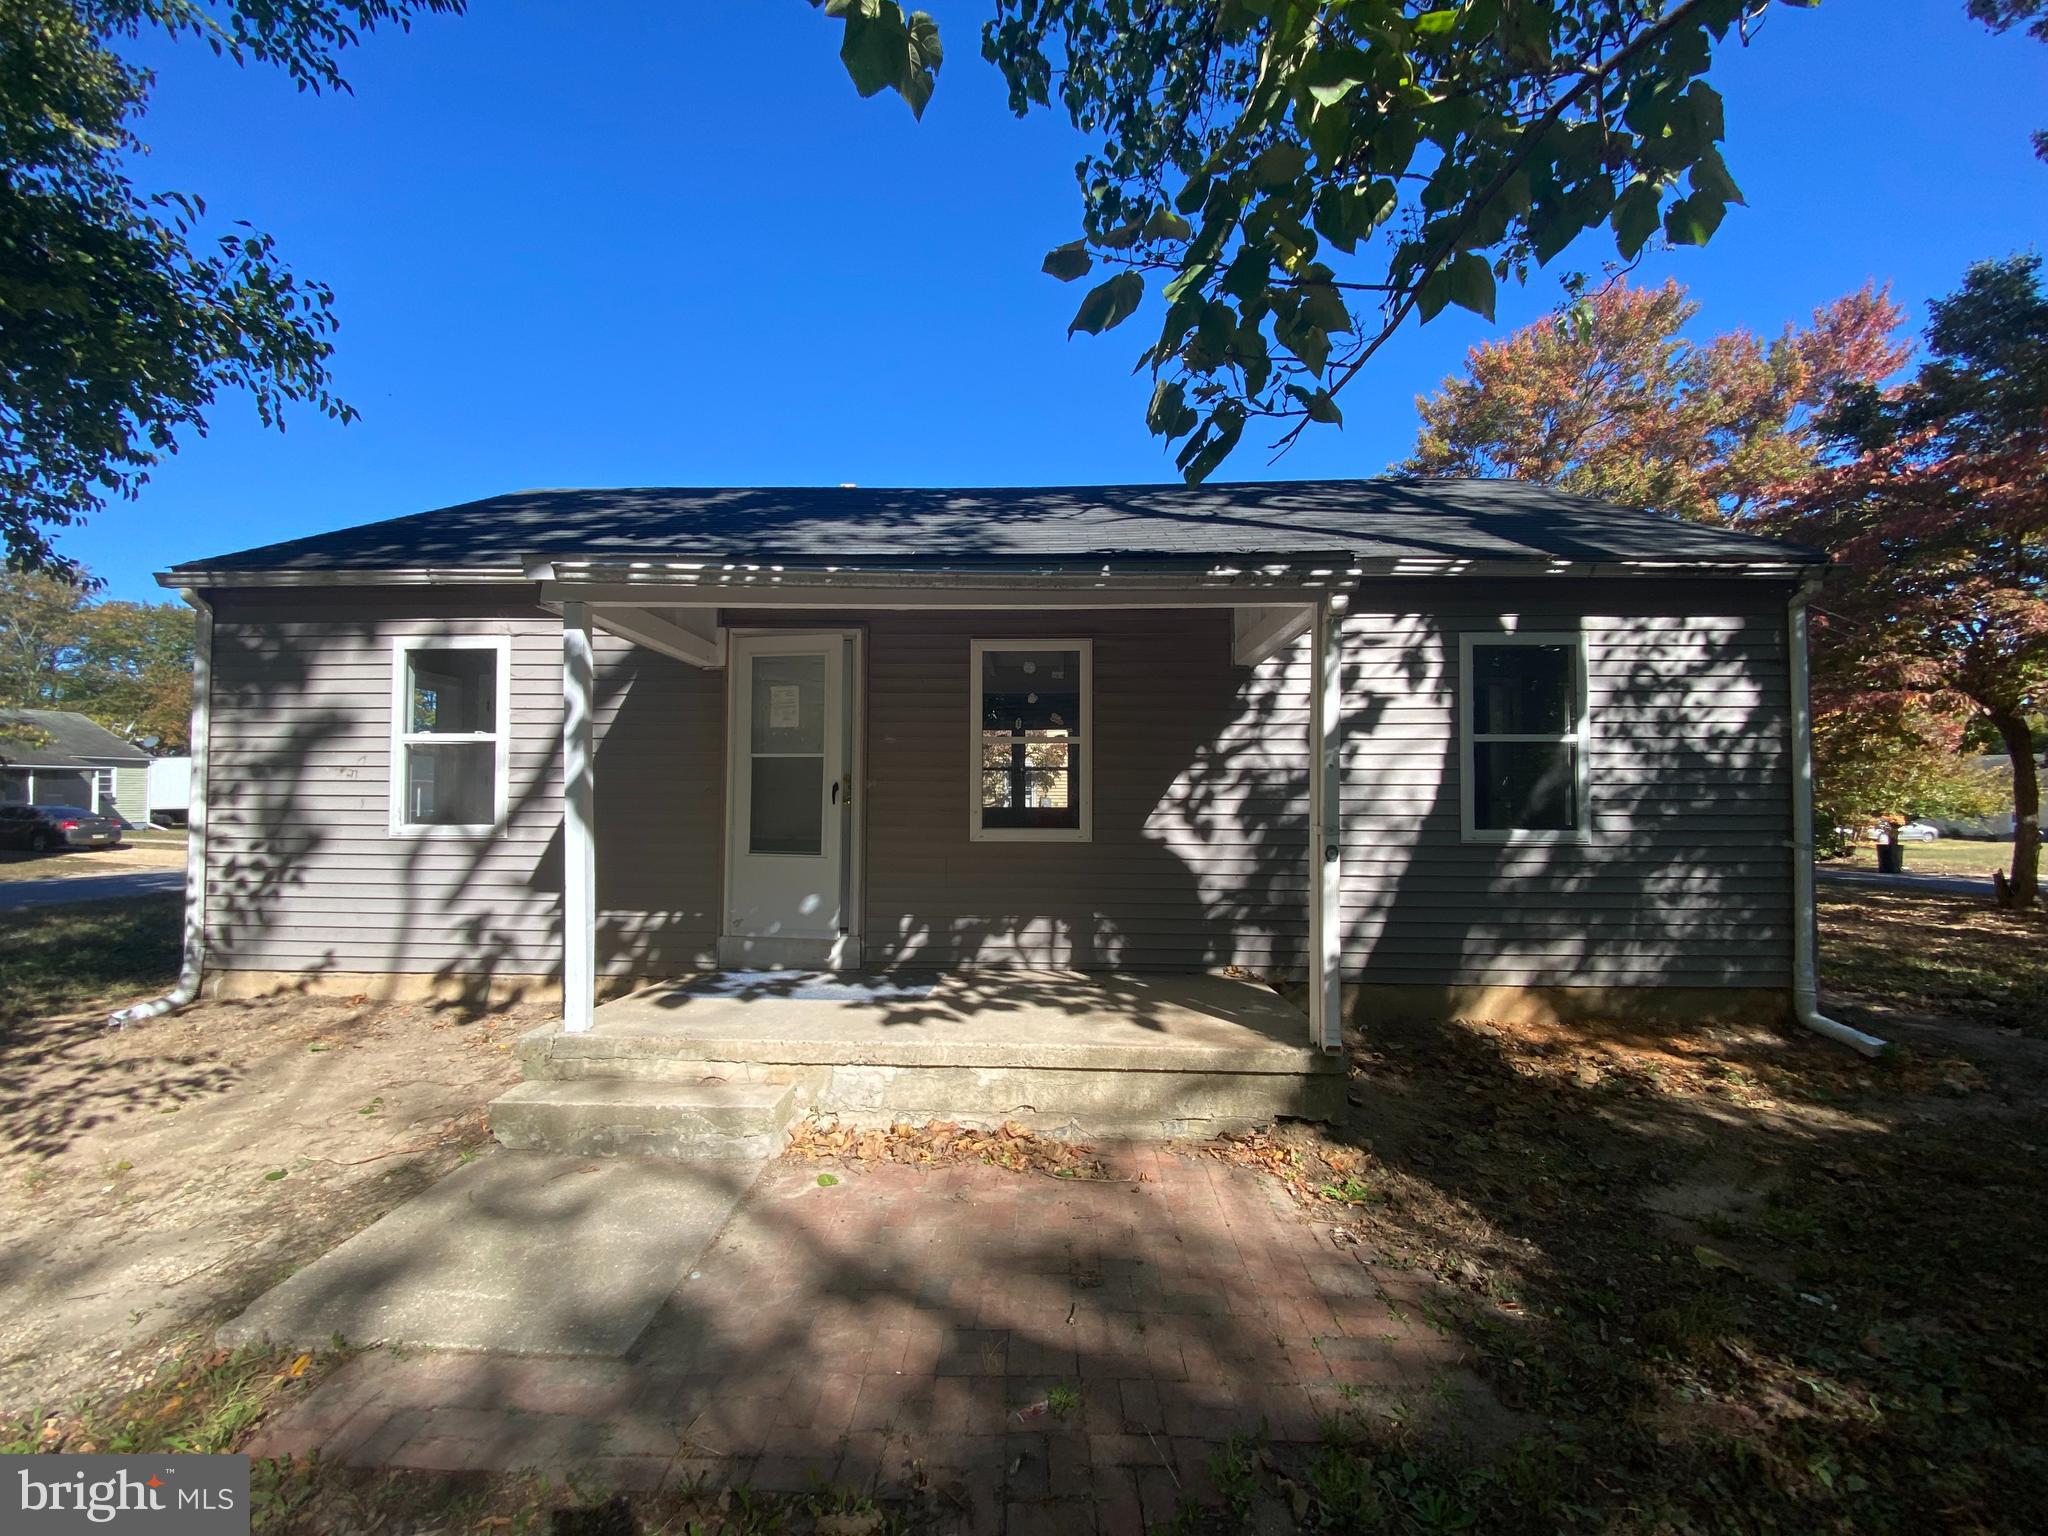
917, 1330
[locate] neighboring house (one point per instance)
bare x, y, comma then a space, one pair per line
1460, 746
58, 757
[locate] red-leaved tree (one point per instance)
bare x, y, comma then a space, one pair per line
1937, 517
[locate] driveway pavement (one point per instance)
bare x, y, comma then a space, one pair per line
1932, 885
18, 894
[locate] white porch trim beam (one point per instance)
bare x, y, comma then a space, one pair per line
579, 801
1326, 835
690, 635
669, 599
1256, 633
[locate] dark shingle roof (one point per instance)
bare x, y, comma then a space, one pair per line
60, 738
1366, 519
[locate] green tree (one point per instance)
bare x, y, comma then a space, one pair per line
126, 665
1938, 520
39, 624
1301, 177
1610, 399
122, 318
130, 668
1888, 758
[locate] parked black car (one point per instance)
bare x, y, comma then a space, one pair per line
39, 828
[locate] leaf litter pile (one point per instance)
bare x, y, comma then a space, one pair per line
941, 1142
1725, 1280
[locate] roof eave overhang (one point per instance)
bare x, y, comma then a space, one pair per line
1307, 571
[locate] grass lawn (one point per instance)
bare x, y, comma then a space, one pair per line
64, 959
1950, 856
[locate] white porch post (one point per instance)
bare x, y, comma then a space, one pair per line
1326, 837
579, 843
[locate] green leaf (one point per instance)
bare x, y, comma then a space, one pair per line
1109, 304
884, 50
1279, 165
1188, 280
1710, 175
1693, 220
1436, 23
1210, 447
1165, 224
1169, 415
826, 1180
1327, 93
1470, 283
1635, 218
1319, 404
1069, 261
1433, 295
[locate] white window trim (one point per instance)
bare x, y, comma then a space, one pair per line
1580, 737
500, 739
976, 832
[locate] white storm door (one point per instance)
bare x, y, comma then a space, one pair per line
787, 731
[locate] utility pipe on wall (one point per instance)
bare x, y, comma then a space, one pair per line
1805, 958
192, 967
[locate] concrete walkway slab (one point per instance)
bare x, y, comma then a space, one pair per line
21, 895
517, 1253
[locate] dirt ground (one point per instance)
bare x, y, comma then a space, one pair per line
1732, 1279
128, 859
165, 1174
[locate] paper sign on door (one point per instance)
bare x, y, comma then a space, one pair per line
785, 706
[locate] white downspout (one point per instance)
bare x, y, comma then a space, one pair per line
1805, 960
193, 966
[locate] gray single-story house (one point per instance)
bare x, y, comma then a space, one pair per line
59, 757
1453, 746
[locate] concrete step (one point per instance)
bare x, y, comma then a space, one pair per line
631, 1117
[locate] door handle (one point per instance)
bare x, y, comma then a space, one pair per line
835, 791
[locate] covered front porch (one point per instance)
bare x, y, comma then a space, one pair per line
1187, 830
728, 1059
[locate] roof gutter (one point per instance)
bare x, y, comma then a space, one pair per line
192, 966
1304, 567
1805, 930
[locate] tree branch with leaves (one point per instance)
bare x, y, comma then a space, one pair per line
123, 315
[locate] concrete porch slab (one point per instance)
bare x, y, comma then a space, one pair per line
517, 1253
1070, 1021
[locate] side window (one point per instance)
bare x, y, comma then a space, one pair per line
1523, 728
448, 748
1032, 740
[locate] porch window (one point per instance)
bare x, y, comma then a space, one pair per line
1032, 740
448, 748
1522, 712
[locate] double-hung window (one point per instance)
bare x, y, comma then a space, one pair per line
1522, 714
449, 695
1033, 741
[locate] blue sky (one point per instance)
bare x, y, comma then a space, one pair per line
617, 243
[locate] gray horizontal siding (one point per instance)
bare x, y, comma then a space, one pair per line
1199, 855
1199, 848
1685, 879
302, 871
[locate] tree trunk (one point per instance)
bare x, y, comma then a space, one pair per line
2024, 883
